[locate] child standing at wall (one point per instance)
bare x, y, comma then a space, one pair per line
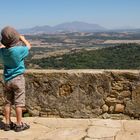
12, 56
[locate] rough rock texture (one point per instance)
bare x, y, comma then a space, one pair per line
67, 94
82, 93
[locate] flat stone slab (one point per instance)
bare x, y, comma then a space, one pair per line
64, 134
62, 123
75, 129
98, 132
111, 138
106, 123
124, 135
132, 126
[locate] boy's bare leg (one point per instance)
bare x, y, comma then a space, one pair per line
7, 113
19, 115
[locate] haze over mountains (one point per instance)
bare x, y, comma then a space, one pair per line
65, 27
72, 27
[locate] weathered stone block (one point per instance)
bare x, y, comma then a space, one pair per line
119, 108
105, 108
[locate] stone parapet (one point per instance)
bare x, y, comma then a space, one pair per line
82, 93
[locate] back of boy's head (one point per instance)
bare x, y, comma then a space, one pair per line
10, 37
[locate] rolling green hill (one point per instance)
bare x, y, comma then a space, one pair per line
125, 56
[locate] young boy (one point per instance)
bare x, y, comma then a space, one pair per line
12, 55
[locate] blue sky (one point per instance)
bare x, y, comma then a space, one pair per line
107, 13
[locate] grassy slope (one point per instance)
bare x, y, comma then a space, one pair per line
126, 56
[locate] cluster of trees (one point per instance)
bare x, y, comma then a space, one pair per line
124, 56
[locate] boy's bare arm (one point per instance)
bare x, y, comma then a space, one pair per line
22, 38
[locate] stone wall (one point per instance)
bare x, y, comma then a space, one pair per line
82, 93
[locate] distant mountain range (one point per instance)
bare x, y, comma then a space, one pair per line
74, 27
64, 27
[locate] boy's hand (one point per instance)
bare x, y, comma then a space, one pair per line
22, 38
2, 46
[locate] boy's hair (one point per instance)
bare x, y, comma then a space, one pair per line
10, 37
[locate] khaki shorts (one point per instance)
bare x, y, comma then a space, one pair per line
14, 91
